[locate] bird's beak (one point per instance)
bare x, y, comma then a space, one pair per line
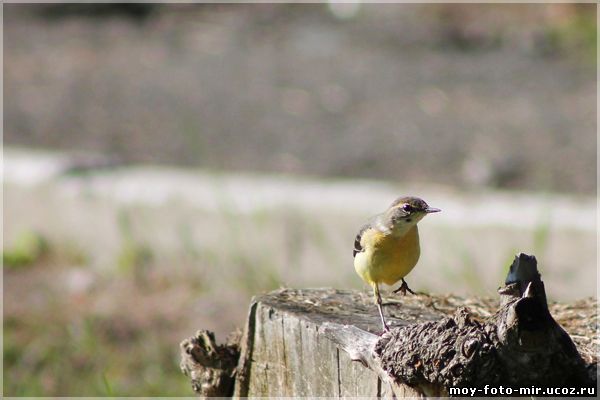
430, 210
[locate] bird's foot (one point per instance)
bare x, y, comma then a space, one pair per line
403, 289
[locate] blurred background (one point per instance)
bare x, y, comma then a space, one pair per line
164, 163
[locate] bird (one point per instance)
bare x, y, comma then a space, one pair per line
387, 247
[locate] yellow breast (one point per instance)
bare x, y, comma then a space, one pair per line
387, 258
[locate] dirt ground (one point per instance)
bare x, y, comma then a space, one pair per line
463, 95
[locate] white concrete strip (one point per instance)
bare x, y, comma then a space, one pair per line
248, 193
30, 167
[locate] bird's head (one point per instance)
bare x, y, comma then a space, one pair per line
405, 212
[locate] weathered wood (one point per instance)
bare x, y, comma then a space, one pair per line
360, 346
290, 356
327, 342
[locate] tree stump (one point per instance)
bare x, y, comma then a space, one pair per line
328, 342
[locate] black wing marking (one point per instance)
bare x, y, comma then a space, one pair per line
357, 246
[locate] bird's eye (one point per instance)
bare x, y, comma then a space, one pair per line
407, 207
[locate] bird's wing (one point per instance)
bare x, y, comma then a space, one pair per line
375, 223
357, 245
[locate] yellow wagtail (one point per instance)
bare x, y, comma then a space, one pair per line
387, 248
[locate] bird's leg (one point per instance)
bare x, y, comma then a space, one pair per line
386, 328
404, 288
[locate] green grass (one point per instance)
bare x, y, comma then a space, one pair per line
28, 248
465, 271
541, 233
60, 354
576, 35
134, 256
61, 343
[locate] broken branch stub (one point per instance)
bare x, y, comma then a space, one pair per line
211, 367
521, 345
